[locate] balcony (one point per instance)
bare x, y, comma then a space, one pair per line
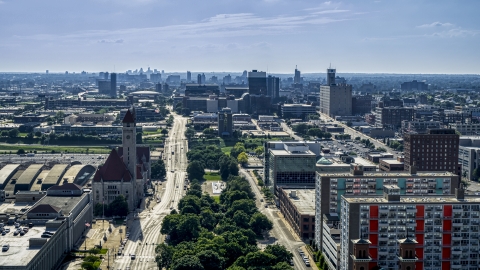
411, 209
456, 251
457, 210
456, 238
355, 259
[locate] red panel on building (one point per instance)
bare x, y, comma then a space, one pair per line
447, 225
374, 225
373, 253
374, 211
445, 265
419, 266
419, 253
372, 265
420, 239
446, 253
447, 211
373, 238
447, 239
420, 211
420, 225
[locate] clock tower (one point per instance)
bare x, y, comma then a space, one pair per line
129, 144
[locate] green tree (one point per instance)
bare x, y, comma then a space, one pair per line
165, 255
237, 149
20, 152
195, 170
256, 260
242, 158
119, 206
259, 150
209, 132
13, 133
211, 260
259, 223
280, 252
164, 131
139, 137
189, 262
30, 135
158, 169
189, 133
4, 133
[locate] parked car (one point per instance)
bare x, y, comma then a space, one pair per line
5, 247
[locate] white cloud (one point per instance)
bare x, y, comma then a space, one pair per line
456, 32
331, 11
110, 41
221, 25
435, 24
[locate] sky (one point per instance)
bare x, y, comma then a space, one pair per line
382, 36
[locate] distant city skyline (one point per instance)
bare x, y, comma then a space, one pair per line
399, 37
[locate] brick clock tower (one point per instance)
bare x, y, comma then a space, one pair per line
129, 143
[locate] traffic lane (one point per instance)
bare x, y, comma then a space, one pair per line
280, 231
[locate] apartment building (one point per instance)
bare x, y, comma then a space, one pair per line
393, 231
330, 188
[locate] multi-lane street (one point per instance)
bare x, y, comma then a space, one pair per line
279, 232
145, 228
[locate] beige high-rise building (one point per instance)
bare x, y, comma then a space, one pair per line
335, 99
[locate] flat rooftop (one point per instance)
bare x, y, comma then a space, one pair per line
286, 153
391, 161
414, 199
363, 161
304, 200
391, 174
20, 253
14, 208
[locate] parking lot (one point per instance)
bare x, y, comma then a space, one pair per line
91, 159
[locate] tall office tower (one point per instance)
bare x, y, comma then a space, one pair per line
106, 75
331, 76
257, 82
46, 71
221, 124
113, 85
335, 99
189, 76
158, 87
199, 79
203, 78
296, 79
227, 79
435, 151
273, 87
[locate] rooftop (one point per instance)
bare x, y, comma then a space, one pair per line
65, 203
391, 161
304, 200
413, 199
20, 253
391, 174
286, 153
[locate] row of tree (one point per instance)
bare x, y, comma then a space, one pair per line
211, 157
118, 207
305, 129
204, 234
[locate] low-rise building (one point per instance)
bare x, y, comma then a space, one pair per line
298, 208
466, 128
391, 164
297, 110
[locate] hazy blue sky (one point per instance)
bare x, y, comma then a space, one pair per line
410, 36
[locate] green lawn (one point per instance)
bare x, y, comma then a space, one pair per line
212, 176
216, 198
